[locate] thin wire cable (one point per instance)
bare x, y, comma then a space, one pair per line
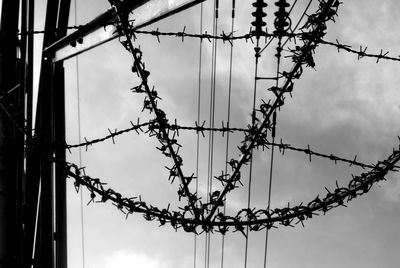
228, 122
299, 21
273, 134
269, 196
212, 119
80, 164
198, 120
251, 153
80, 140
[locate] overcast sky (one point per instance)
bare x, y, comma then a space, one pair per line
343, 106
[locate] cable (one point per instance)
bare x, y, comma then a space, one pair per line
253, 120
298, 22
212, 119
279, 48
80, 149
269, 189
228, 121
198, 120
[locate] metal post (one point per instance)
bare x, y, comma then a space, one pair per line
44, 247
51, 245
59, 138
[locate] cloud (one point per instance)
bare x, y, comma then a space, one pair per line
392, 192
130, 259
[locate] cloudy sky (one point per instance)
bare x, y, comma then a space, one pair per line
344, 106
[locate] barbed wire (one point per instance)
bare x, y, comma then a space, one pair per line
256, 219
169, 144
254, 138
138, 127
230, 37
206, 36
157, 33
206, 216
201, 129
361, 52
302, 55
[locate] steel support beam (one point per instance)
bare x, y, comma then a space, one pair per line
98, 31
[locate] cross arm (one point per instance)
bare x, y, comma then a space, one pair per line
99, 30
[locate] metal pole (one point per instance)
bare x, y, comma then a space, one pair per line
44, 247
59, 138
51, 245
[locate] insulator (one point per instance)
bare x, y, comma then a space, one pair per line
282, 21
259, 14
